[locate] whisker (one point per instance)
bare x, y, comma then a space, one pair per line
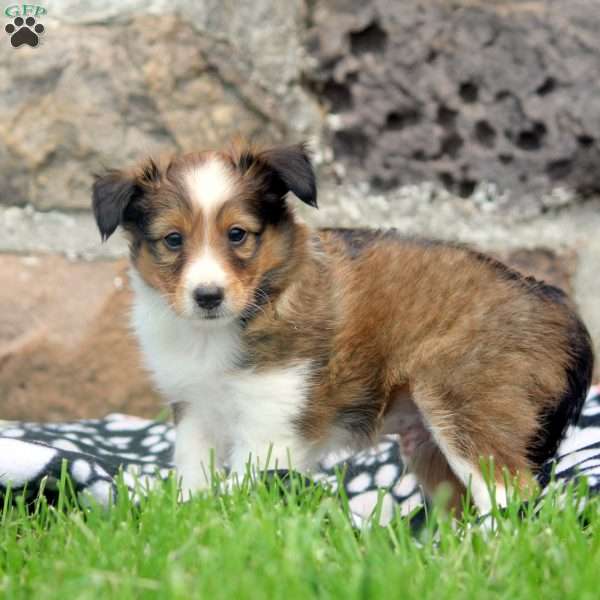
265, 296
254, 306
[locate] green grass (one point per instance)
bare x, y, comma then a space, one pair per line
260, 543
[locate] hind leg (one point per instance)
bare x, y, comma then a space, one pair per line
453, 465
444, 435
466, 430
433, 471
420, 451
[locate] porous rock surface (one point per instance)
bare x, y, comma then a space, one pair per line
462, 92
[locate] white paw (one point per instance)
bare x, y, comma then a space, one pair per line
192, 482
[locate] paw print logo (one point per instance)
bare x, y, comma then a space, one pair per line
24, 32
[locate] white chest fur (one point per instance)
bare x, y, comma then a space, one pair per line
236, 413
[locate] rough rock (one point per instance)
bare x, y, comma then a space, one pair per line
73, 234
462, 92
108, 86
65, 348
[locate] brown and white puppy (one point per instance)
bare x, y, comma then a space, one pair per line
274, 340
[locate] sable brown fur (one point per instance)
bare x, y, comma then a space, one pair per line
486, 353
398, 331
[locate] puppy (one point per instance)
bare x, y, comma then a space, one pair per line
276, 344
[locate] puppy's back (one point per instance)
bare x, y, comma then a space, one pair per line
533, 321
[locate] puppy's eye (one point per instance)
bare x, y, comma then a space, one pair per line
237, 235
174, 241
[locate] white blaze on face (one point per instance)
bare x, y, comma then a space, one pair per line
209, 185
205, 270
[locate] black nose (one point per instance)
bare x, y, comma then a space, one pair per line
208, 297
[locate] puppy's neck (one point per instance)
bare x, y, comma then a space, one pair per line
297, 321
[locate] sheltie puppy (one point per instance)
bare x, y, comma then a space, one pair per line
273, 340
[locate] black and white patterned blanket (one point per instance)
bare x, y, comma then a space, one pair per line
99, 450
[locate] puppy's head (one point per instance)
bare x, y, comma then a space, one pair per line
211, 231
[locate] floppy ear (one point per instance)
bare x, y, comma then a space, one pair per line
291, 171
114, 197
111, 194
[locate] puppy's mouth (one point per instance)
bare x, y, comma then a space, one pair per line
206, 315
212, 316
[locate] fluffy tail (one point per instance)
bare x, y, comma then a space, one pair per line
579, 379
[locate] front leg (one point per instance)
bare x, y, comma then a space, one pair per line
282, 452
197, 453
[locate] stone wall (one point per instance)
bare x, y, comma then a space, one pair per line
454, 92
114, 80
471, 120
